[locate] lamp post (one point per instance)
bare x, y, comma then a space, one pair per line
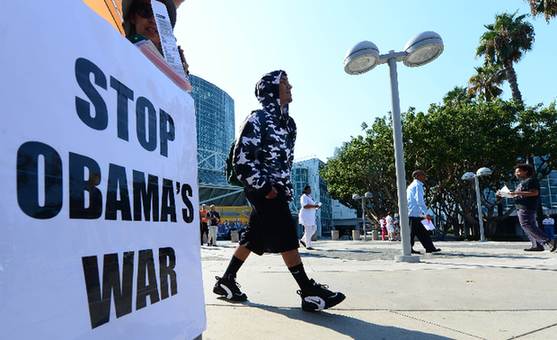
468, 176
358, 197
420, 50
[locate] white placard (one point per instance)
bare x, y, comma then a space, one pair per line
505, 192
98, 170
428, 224
168, 41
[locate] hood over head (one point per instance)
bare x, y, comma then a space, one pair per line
267, 92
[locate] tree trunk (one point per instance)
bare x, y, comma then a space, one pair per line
511, 76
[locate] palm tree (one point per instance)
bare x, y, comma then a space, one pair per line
486, 83
546, 7
504, 43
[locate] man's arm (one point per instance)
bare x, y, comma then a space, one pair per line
420, 200
246, 162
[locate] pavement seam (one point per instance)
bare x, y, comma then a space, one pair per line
534, 331
401, 310
437, 325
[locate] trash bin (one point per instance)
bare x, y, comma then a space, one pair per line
356, 235
335, 234
374, 235
234, 236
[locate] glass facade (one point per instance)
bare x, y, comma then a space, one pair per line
214, 110
548, 191
307, 173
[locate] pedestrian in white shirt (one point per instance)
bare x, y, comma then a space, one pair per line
417, 211
390, 226
306, 217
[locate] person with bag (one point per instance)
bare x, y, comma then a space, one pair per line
263, 158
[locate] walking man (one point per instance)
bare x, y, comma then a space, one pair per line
417, 211
306, 217
526, 198
263, 158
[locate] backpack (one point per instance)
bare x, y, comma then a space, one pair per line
231, 176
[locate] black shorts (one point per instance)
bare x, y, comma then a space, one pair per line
271, 228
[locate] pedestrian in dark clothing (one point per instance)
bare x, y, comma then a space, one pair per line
263, 158
526, 198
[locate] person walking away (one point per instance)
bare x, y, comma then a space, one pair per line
526, 196
549, 226
417, 211
263, 157
214, 221
306, 217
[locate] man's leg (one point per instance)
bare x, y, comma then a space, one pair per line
210, 238
214, 235
412, 231
303, 240
240, 255
310, 231
527, 219
423, 235
412, 223
226, 285
315, 297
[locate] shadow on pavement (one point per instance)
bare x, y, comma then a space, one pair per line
347, 325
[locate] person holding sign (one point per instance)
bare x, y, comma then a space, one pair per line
306, 217
140, 24
262, 158
417, 211
526, 198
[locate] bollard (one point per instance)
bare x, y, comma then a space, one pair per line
234, 236
335, 235
356, 235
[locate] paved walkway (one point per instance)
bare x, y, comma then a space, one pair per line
472, 290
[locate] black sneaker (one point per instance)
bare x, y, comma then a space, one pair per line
538, 248
229, 289
552, 245
303, 243
434, 250
317, 297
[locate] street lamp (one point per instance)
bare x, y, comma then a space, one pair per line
420, 50
468, 176
356, 197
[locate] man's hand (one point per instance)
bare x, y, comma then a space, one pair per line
184, 62
428, 217
272, 194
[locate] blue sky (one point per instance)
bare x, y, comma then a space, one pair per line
233, 43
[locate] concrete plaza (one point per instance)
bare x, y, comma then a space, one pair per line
472, 290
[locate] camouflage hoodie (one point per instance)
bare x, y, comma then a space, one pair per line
264, 150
